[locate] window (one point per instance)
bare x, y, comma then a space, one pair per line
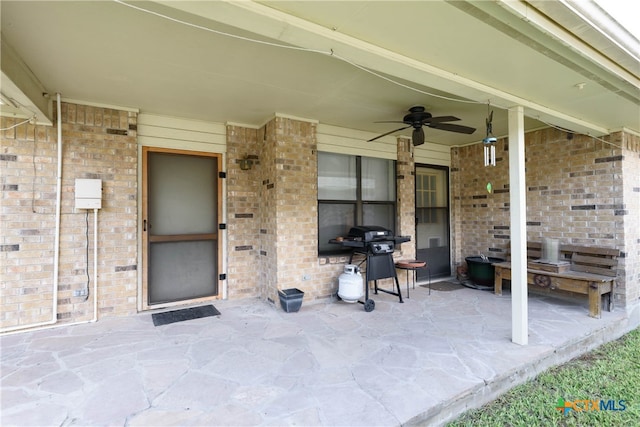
353, 190
426, 197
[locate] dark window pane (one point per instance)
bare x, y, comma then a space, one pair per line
334, 220
379, 214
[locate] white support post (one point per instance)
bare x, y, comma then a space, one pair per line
518, 227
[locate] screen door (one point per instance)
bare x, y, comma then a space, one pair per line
432, 220
180, 224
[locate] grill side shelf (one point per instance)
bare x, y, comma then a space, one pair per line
349, 243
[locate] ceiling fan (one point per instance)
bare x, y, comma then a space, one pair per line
417, 118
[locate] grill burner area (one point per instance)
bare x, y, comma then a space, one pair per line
377, 245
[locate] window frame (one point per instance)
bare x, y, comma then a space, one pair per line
359, 204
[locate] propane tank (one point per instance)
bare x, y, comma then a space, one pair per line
350, 286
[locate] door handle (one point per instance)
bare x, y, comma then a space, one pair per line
144, 225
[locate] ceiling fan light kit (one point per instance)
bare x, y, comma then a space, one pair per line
418, 117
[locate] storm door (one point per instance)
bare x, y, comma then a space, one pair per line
432, 220
181, 208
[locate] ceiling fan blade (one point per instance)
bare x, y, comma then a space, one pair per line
418, 136
441, 119
388, 133
452, 128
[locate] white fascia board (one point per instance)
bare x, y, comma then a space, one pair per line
609, 28
528, 12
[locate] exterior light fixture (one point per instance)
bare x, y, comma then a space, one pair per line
246, 163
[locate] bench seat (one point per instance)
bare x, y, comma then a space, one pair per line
592, 273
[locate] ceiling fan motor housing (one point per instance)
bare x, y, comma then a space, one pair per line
416, 117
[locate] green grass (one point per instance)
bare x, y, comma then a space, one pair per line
610, 372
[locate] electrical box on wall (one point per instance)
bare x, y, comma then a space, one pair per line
88, 193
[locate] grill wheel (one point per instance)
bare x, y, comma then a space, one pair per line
369, 305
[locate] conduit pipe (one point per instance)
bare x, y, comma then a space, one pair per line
95, 265
56, 250
56, 244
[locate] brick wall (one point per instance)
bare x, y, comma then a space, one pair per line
579, 190
27, 171
574, 193
98, 143
272, 212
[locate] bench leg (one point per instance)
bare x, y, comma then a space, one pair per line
609, 300
610, 294
595, 302
497, 283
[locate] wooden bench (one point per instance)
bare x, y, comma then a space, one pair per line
581, 269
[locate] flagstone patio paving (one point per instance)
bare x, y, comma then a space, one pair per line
333, 364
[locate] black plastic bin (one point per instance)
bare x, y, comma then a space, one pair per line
291, 299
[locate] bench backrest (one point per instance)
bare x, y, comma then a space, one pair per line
588, 259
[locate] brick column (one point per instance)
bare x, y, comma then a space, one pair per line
406, 196
628, 282
243, 213
288, 195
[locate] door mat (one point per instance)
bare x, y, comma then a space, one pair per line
473, 285
167, 317
444, 286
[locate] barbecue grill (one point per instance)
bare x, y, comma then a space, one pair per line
377, 245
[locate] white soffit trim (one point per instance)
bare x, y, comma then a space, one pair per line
287, 29
242, 125
300, 119
99, 105
281, 115
629, 131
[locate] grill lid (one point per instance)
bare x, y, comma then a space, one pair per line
368, 233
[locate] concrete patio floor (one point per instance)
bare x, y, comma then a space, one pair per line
422, 362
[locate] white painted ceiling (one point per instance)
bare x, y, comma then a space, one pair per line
505, 53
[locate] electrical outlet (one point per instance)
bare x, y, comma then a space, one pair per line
306, 277
80, 293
